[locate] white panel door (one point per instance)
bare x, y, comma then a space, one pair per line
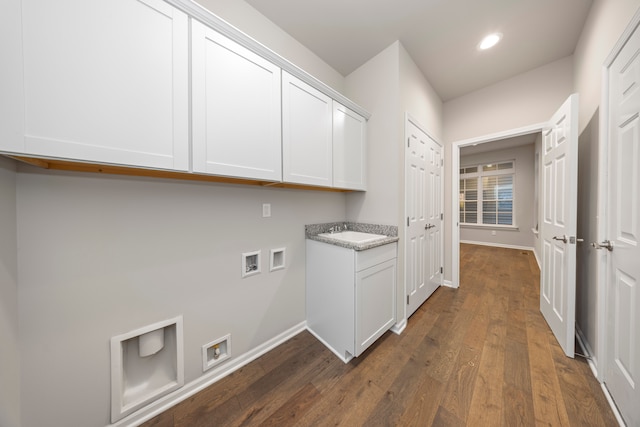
434, 216
558, 225
236, 109
307, 153
622, 360
423, 198
349, 153
107, 81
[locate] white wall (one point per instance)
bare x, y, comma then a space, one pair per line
247, 19
527, 99
9, 343
604, 26
388, 86
418, 98
374, 86
103, 255
524, 193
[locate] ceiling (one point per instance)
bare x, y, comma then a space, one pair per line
440, 35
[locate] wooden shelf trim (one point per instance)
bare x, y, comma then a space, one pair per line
65, 165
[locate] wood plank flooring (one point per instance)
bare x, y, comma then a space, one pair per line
480, 355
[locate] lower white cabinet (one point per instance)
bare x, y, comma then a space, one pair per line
350, 295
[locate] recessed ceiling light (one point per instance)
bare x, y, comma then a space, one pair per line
490, 41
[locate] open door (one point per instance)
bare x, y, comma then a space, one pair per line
558, 225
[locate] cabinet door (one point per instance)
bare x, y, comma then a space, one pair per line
375, 303
349, 155
107, 81
236, 109
306, 133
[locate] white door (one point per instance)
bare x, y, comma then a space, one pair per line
622, 359
558, 225
107, 81
307, 147
349, 154
423, 258
236, 110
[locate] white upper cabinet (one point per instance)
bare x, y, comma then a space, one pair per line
306, 133
236, 109
349, 148
107, 81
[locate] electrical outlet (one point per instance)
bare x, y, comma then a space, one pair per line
493, 232
266, 210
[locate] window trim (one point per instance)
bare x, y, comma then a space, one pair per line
479, 175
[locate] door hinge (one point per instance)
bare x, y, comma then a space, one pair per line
441, 216
441, 270
407, 299
441, 162
408, 142
407, 221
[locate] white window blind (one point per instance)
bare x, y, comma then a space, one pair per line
486, 194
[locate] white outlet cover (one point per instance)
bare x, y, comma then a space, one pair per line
266, 210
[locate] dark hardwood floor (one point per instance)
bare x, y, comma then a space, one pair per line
480, 355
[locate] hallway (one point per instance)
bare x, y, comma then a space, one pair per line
480, 355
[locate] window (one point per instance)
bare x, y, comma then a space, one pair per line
486, 194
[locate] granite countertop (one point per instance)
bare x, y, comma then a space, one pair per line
391, 231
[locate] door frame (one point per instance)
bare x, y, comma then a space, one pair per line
408, 118
601, 203
455, 187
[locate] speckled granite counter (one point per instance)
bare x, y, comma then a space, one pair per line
391, 231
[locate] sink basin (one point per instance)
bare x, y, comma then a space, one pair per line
353, 236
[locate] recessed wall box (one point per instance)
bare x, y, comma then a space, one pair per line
250, 263
277, 259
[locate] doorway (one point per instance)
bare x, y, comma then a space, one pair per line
497, 138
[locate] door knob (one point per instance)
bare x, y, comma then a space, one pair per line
562, 238
608, 245
429, 226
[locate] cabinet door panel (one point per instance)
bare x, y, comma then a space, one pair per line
236, 109
306, 133
375, 303
349, 155
107, 81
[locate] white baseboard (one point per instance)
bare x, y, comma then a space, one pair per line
200, 383
450, 284
342, 357
537, 260
614, 408
498, 245
593, 364
588, 351
399, 327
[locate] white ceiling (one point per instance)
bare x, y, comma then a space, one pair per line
440, 35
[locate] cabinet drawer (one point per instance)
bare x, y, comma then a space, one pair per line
375, 256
